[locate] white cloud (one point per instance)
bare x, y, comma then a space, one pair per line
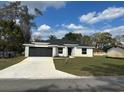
115, 30
36, 35
107, 14
63, 25
44, 27
55, 4
74, 27
77, 28
42, 5
60, 33
42, 32
87, 18
119, 30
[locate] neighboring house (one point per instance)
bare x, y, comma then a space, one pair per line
116, 52
57, 48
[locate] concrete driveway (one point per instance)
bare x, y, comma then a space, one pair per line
34, 68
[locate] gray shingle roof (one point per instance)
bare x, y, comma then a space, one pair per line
60, 42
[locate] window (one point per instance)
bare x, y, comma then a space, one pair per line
84, 51
60, 50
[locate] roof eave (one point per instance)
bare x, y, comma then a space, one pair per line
85, 47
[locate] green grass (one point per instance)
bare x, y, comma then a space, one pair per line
95, 66
6, 62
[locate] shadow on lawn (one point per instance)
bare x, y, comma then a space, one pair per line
106, 69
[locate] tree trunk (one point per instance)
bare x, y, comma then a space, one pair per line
26, 32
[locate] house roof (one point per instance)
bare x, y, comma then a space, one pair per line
59, 42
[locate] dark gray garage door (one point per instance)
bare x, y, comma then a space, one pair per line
40, 51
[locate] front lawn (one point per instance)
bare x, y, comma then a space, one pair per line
6, 62
95, 66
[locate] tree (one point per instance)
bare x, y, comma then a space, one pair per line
86, 40
103, 40
13, 11
52, 37
11, 36
72, 36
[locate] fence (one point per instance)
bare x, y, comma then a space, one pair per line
7, 54
99, 54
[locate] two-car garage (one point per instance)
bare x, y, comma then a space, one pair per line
40, 51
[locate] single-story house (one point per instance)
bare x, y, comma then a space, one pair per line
116, 52
57, 48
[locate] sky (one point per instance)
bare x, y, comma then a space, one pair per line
85, 17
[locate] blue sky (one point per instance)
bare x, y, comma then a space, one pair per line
85, 17
72, 11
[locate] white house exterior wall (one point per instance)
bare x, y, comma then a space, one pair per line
54, 51
65, 51
26, 51
90, 52
41, 46
78, 52
73, 52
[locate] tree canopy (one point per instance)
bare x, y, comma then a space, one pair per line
86, 40
72, 36
14, 10
11, 36
52, 37
103, 40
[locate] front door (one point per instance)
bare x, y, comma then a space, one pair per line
69, 51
